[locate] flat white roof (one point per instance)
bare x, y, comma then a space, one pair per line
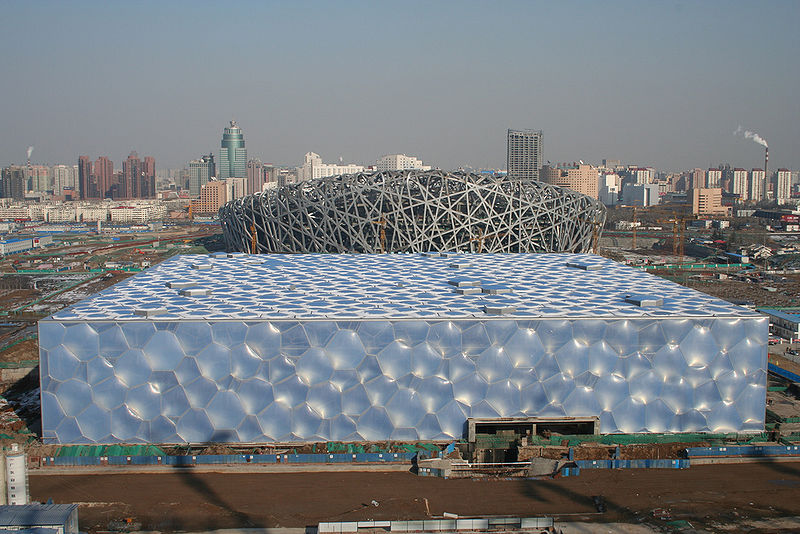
395, 286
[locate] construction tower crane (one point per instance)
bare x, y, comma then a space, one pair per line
382, 222
253, 239
479, 239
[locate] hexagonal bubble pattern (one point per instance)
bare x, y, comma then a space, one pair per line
196, 381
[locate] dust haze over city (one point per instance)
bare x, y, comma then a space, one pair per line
319, 266
663, 84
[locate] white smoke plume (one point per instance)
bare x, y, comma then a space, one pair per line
30, 151
751, 135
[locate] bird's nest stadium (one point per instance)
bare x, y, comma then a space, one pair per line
413, 211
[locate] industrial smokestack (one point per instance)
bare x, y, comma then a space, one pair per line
30, 151
766, 172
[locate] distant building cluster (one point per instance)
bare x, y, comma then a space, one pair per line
137, 179
709, 192
136, 211
400, 162
84, 181
214, 179
619, 184
313, 167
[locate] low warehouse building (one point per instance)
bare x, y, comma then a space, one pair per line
40, 518
278, 348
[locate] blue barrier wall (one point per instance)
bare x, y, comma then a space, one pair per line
743, 451
211, 459
772, 368
633, 464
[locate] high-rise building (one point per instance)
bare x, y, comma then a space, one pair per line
65, 177
116, 190
138, 179
400, 162
578, 177
200, 173
727, 178
643, 175
739, 186
757, 185
714, 178
783, 186
270, 173
12, 182
131, 176
102, 178
232, 154
39, 178
236, 188
149, 177
698, 179
673, 179
84, 176
524, 154
255, 176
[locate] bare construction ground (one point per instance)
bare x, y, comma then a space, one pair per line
707, 496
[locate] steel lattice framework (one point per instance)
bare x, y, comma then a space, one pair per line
413, 211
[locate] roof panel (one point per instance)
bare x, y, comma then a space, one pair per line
353, 286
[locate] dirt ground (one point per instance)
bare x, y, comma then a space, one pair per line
780, 361
597, 451
186, 500
23, 351
787, 294
11, 298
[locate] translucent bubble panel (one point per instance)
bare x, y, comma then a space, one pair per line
309, 347
374, 289
152, 381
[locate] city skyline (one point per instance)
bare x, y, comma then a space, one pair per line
661, 84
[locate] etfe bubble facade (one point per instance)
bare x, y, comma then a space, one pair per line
110, 373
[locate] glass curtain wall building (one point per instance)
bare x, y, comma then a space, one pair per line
232, 154
200, 173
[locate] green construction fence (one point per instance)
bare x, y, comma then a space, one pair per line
109, 450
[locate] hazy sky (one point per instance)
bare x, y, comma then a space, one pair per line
654, 83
